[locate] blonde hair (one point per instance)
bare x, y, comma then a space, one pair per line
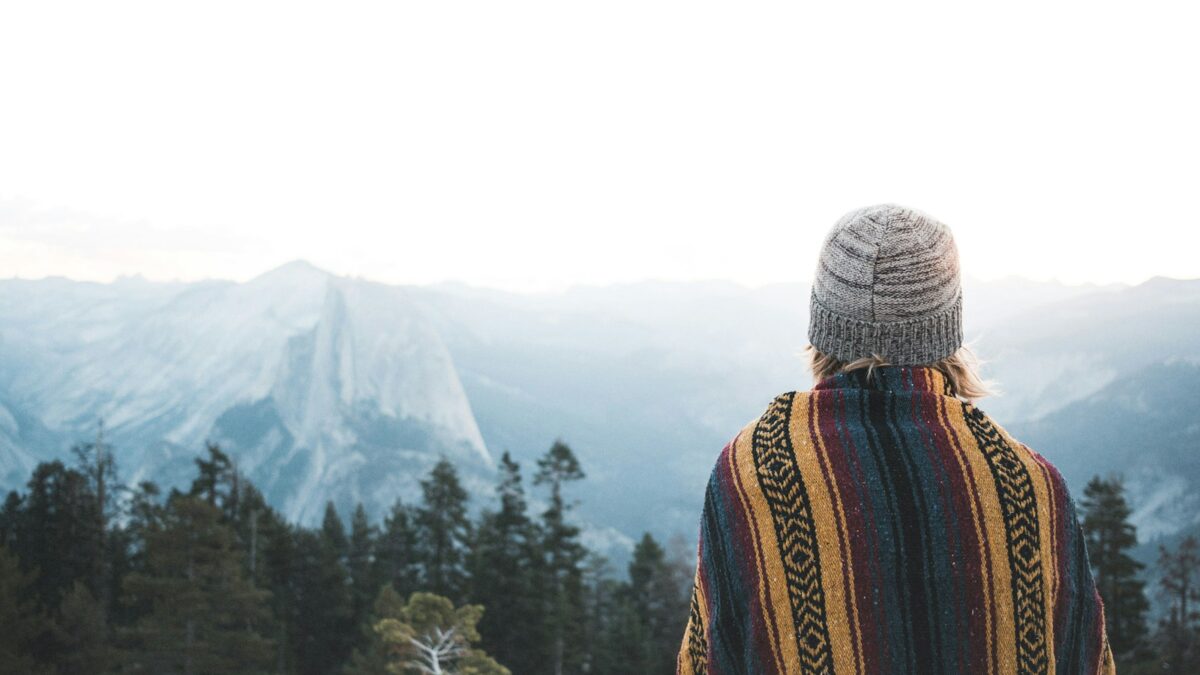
960, 368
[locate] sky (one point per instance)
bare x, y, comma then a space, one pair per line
536, 145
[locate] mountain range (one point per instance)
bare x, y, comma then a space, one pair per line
329, 388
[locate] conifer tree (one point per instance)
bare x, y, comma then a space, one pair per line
80, 636
333, 533
364, 584
214, 475
373, 657
397, 560
144, 516
605, 651
503, 568
324, 618
203, 615
96, 462
1179, 582
10, 518
1110, 536
444, 532
659, 601
21, 623
266, 541
56, 532
564, 556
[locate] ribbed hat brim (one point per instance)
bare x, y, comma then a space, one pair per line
904, 343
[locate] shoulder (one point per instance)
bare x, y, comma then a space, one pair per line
740, 444
1028, 455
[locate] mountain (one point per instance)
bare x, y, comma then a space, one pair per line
1143, 426
1053, 354
322, 388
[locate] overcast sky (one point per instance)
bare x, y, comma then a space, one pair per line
535, 145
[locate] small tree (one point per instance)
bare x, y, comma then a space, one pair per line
1179, 583
213, 473
431, 637
1110, 536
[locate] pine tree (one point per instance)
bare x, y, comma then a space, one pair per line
605, 652
1110, 536
95, 461
397, 560
325, 631
145, 516
21, 623
564, 557
10, 518
56, 532
373, 657
79, 633
504, 575
430, 635
215, 473
1179, 582
203, 616
659, 601
364, 585
333, 533
266, 539
444, 532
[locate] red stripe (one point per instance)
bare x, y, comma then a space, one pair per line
984, 563
1097, 641
763, 618
945, 446
1058, 525
851, 517
864, 557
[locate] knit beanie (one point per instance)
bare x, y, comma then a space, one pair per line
887, 283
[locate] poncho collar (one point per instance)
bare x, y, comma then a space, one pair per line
902, 379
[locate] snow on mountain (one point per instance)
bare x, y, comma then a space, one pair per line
323, 388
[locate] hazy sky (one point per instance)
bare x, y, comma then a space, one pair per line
533, 145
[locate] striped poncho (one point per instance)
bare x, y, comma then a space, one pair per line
881, 525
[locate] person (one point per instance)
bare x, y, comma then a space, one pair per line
881, 522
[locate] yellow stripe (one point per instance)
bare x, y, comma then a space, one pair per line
683, 659
770, 566
826, 512
976, 519
1001, 590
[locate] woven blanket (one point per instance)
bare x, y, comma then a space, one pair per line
878, 524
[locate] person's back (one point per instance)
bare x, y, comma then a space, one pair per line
880, 523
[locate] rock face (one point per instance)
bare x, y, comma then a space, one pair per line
322, 388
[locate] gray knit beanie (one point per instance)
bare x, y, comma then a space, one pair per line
887, 283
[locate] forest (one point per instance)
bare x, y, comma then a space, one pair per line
100, 577
1171, 642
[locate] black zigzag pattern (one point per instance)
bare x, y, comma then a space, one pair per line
1018, 505
796, 532
697, 645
